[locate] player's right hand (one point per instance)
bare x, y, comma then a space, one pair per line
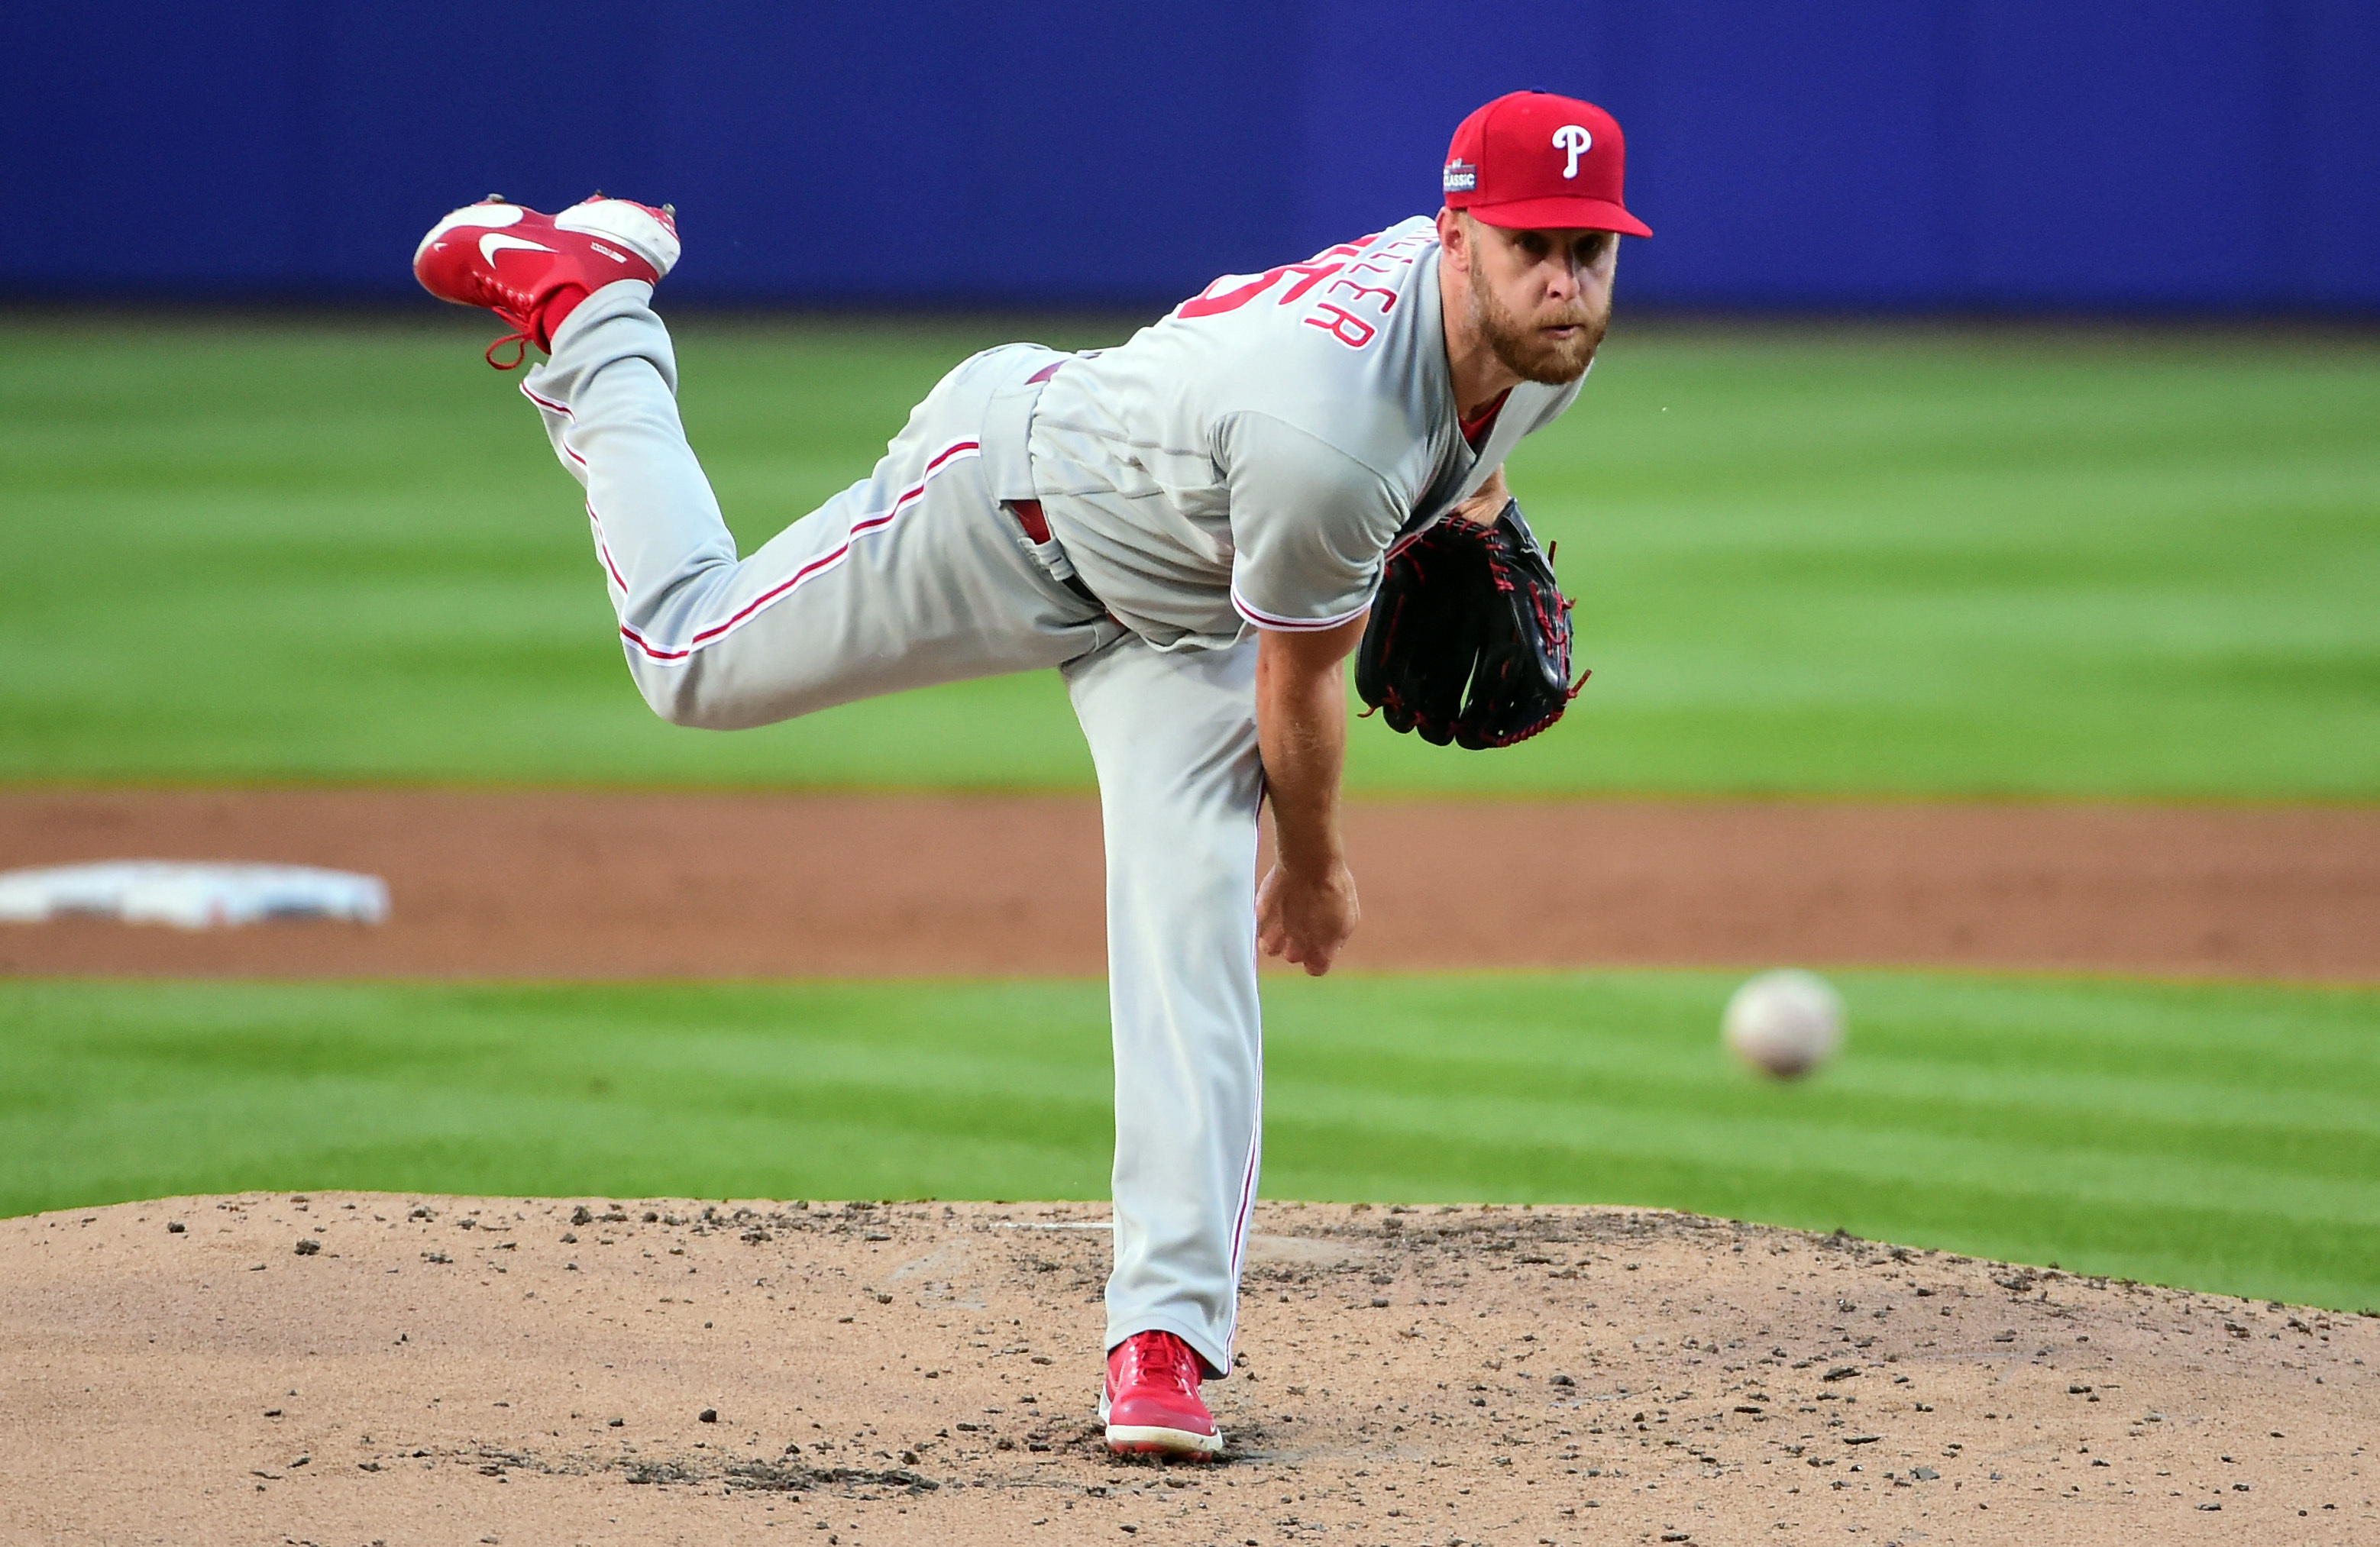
1307, 919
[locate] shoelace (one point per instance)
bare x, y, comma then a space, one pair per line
1167, 1358
520, 342
523, 335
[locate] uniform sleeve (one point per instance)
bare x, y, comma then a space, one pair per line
1557, 402
1309, 524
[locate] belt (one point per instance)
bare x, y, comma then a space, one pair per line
1008, 468
1036, 527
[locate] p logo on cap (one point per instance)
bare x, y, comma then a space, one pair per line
1534, 161
1574, 139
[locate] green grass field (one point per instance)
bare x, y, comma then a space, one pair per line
1851, 561
2226, 1137
1867, 561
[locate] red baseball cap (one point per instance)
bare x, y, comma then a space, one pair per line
1531, 160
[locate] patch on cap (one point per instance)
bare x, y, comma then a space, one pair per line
1460, 177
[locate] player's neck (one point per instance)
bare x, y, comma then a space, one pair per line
1478, 377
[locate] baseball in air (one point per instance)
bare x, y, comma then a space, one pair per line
1784, 1024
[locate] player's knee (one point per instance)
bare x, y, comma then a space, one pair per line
687, 698
678, 698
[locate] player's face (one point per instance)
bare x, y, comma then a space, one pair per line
1542, 299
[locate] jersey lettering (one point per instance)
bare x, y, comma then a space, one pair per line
1313, 275
1213, 303
1388, 298
1342, 324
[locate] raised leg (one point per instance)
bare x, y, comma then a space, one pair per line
909, 577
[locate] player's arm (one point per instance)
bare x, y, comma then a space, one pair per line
1309, 526
1305, 909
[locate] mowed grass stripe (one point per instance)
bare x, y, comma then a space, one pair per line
2223, 1137
1866, 561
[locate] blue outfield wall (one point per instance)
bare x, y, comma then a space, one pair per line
2200, 155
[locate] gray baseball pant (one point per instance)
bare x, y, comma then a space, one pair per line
917, 575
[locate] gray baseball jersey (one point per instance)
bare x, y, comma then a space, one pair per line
1248, 459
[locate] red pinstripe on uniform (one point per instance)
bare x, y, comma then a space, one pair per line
1293, 625
712, 634
1240, 1224
604, 550
876, 522
1256, 1129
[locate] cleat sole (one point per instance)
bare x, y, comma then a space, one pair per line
629, 225
1137, 1439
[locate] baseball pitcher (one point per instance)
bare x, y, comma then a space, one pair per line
1196, 529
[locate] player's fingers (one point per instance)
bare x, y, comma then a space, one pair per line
1268, 922
1341, 931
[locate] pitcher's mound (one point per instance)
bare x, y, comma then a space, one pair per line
358, 1368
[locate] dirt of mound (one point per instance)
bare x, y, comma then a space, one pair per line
582, 884
497, 1370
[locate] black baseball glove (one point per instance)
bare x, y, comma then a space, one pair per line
1464, 607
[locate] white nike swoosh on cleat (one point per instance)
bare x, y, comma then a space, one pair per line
495, 242
477, 217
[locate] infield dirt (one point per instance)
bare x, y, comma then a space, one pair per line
493, 1371
585, 884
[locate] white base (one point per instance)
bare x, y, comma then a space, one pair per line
191, 895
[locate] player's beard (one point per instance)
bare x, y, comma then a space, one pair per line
1527, 353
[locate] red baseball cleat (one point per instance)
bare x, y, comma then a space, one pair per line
1152, 1402
531, 269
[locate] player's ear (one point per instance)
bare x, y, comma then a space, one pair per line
1453, 237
